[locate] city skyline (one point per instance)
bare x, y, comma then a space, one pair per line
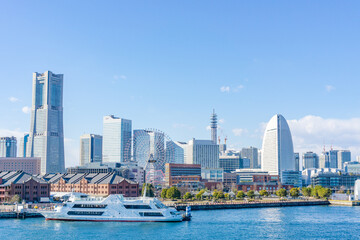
226, 60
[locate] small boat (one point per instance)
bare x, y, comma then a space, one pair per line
114, 208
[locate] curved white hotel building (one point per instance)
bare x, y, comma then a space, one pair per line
277, 148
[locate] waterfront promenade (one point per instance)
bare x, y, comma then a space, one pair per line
245, 204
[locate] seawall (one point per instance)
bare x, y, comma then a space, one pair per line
215, 206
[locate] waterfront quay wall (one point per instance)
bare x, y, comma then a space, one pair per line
215, 206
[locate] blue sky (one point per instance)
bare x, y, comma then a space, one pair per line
167, 64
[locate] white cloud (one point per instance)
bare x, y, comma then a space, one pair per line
117, 77
238, 88
13, 99
225, 89
208, 128
239, 131
311, 133
221, 121
329, 88
26, 109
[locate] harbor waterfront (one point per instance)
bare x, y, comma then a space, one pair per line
312, 222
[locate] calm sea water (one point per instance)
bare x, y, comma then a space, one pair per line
318, 222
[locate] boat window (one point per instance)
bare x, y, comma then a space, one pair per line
85, 213
158, 206
137, 206
151, 214
89, 206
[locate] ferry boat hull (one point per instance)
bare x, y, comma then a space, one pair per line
114, 208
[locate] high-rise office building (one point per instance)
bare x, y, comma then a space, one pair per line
116, 139
297, 161
8, 147
90, 149
46, 137
175, 152
203, 152
310, 160
22, 145
251, 153
324, 160
277, 148
333, 158
343, 157
329, 159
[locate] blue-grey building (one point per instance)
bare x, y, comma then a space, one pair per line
8, 147
343, 156
175, 152
310, 160
251, 153
116, 139
46, 137
22, 145
90, 149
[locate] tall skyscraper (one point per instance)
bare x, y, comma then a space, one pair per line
297, 161
8, 147
175, 152
46, 137
22, 145
116, 139
90, 149
251, 153
203, 152
277, 148
213, 126
343, 157
324, 160
333, 158
310, 160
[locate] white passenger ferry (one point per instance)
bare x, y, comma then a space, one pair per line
114, 208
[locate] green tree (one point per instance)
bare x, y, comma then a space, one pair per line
227, 196
187, 196
295, 192
306, 191
149, 190
315, 191
240, 195
281, 192
15, 199
215, 194
324, 192
220, 194
199, 195
173, 193
250, 194
348, 192
163, 193
264, 193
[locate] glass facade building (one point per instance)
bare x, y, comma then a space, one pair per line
343, 156
251, 153
310, 160
203, 152
8, 147
277, 148
22, 145
90, 149
46, 137
116, 139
